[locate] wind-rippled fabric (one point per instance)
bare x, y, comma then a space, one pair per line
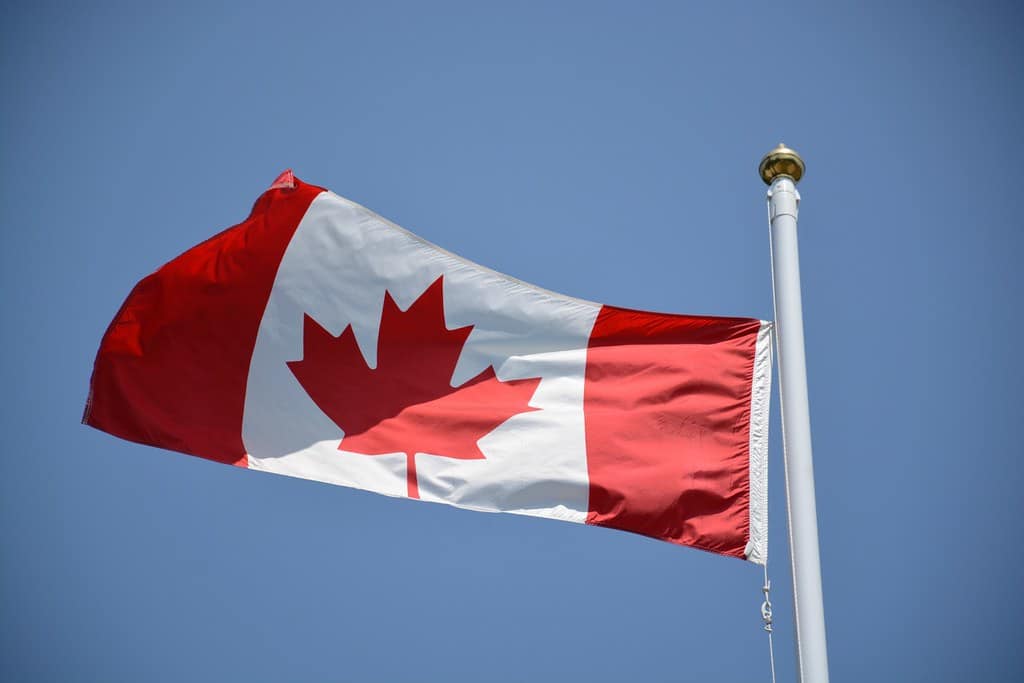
318, 340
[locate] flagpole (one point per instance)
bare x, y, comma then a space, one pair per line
782, 169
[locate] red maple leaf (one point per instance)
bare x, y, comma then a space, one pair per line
407, 404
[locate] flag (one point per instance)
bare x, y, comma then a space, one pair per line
318, 340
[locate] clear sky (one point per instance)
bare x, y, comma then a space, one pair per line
604, 150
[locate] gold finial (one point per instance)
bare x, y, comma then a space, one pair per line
781, 161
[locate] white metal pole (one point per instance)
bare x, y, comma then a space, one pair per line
782, 168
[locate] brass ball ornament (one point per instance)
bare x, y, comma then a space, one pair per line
781, 161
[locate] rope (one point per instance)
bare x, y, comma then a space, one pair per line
766, 617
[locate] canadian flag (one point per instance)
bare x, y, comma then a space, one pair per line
318, 340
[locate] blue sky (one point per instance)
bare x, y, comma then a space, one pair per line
604, 150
